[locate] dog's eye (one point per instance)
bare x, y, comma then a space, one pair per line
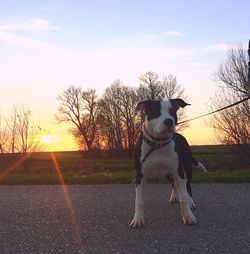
153, 115
153, 110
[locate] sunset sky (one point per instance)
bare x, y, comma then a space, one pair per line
45, 46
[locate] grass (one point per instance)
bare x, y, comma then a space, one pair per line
224, 166
123, 177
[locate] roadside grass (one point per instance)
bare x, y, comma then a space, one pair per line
224, 166
122, 177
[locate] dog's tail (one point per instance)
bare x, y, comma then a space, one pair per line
199, 164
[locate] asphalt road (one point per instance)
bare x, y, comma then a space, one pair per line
95, 218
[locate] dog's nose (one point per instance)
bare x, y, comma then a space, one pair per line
169, 122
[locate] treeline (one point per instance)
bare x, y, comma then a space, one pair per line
111, 121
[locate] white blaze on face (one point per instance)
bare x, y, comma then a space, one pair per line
157, 125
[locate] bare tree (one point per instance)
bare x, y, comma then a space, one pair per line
112, 121
24, 134
232, 126
154, 89
80, 108
110, 115
171, 89
129, 101
12, 127
118, 116
150, 88
3, 135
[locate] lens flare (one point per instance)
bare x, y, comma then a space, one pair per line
12, 167
68, 200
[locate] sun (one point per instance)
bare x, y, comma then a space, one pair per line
47, 139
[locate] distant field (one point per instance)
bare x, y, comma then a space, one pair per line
223, 163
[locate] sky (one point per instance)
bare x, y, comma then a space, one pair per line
46, 46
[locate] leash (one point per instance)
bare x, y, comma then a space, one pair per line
248, 62
231, 105
154, 146
215, 111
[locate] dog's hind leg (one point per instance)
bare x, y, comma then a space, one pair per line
174, 194
189, 190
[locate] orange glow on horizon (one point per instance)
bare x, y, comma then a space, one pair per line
64, 142
196, 134
59, 138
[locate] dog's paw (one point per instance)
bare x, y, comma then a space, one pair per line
189, 219
187, 216
173, 200
137, 222
191, 203
174, 197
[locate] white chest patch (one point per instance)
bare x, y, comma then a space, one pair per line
160, 162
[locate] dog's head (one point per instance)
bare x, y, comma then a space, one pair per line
160, 116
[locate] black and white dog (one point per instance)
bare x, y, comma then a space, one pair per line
160, 147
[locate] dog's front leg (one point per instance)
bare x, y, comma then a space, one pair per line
186, 213
138, 220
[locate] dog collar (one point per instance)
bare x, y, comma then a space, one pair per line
154, 146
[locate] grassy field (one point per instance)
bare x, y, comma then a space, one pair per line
224, 165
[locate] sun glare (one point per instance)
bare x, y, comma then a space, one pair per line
47, 139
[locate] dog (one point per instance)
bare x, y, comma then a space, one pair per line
160, 147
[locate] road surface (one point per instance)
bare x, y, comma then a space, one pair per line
95, 218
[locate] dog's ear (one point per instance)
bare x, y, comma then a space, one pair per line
177, 103
142, 105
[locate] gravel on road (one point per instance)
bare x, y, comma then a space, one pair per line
95, 219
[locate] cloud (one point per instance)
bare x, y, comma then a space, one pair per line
35, 24
123, 57
174, 33
139, 40
8, 35
216, 47
30, 43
